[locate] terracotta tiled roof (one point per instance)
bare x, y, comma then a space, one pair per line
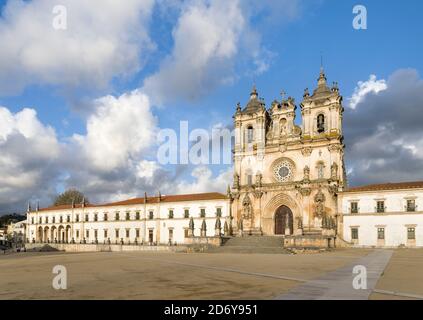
170, 198
387, 186
65, 206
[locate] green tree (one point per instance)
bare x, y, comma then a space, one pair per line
69, 196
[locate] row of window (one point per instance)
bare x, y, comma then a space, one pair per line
381, 207
117, 216
411, 233
106, 233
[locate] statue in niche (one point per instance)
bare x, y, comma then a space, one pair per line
334, 171
259, 179
247, 208
306, 173
319, 200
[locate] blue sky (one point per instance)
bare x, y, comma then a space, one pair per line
288, 37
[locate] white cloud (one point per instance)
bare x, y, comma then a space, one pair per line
103, 39
371, 86
118, 131
215, 43
205, 182
28, 152
206, 41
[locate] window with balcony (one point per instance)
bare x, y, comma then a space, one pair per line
411, 205
380, 206
354, 207
219, 212
202, 213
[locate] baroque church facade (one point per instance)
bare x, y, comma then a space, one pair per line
286, 177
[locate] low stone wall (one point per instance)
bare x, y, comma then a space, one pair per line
103, 247
211, 241
309, 242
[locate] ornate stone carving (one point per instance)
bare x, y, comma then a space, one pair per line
333, 189
282, 148
236, 181
283, 127
334, 147
305, 192
306, 152
247, 207
300, 222
259, 179
319, 200
226, 229
306, 174
334, 171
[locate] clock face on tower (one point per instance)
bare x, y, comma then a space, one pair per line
283, 171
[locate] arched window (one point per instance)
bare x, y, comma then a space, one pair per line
250, 134
321, 123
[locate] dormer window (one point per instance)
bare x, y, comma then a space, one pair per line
321, 123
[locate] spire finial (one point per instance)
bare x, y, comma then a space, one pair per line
322, 77
254, 93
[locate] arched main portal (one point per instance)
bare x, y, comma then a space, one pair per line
284, 219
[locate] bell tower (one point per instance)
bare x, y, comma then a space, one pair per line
322, 112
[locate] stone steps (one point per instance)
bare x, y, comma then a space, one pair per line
252, 244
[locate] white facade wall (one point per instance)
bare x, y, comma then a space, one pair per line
395, 220
160, 225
